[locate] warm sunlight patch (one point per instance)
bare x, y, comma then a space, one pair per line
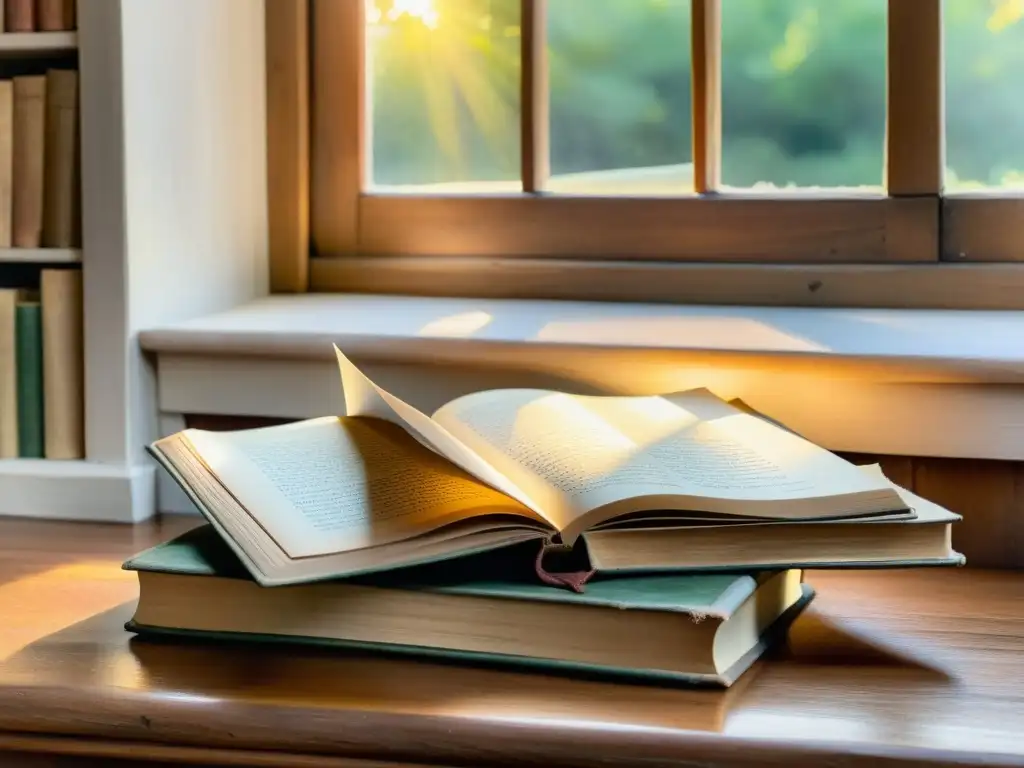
421, 10
1005, 14
458, 326
713, 332
799, 41
84, 589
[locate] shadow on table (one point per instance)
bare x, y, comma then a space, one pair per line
823, 642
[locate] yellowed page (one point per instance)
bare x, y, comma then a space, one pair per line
591, 458
334, 485
364, 398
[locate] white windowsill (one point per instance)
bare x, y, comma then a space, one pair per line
914, 382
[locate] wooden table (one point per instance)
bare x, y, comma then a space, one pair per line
907, 668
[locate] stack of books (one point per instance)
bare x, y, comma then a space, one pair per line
651, 537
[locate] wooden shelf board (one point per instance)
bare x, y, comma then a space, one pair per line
40, 255
37, 42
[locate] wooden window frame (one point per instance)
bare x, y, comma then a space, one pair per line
329, 234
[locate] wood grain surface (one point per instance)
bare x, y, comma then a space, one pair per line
907, 668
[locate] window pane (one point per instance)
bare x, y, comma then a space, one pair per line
984, 93
444, 94
803, 92
620, 96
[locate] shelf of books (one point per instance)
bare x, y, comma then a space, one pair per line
109, 224
41, 313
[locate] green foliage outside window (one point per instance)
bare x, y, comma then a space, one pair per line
803, 90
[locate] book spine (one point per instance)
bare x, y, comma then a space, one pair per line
29, 160
8, 374
30, 380
6, 161
55, 15
61, 162
20, 16
62, 349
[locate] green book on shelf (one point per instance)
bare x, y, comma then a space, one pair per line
485, 609
29, 353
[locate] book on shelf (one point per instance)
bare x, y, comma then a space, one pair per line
20, 15
63, 352
56, 15
29, 366
41, 369
38, 16
29, 160
40, 167
629, 484
61, 168
9, 440
690, 628
6, 162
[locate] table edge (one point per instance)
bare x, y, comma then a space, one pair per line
424, 739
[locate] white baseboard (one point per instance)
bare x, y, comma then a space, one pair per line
76, 490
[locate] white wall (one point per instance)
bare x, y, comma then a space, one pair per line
177, 223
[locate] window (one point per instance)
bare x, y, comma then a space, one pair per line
984, 209
651, 148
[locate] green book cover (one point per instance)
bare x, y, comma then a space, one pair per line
506, 573
29, 352
502, 575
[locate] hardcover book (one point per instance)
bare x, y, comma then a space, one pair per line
488, 609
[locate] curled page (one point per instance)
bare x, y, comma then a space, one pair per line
364, 398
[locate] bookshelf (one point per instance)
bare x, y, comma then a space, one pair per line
26, 483
173, 206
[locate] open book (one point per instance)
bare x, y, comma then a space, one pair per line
388, 486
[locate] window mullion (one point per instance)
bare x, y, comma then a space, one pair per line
340, 141
915, 151
534, 98
288, 107
706, 68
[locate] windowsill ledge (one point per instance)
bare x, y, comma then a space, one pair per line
903, 345
913, 382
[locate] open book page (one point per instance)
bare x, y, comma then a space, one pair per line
364, 398
334, 485
918, 510
604, 456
